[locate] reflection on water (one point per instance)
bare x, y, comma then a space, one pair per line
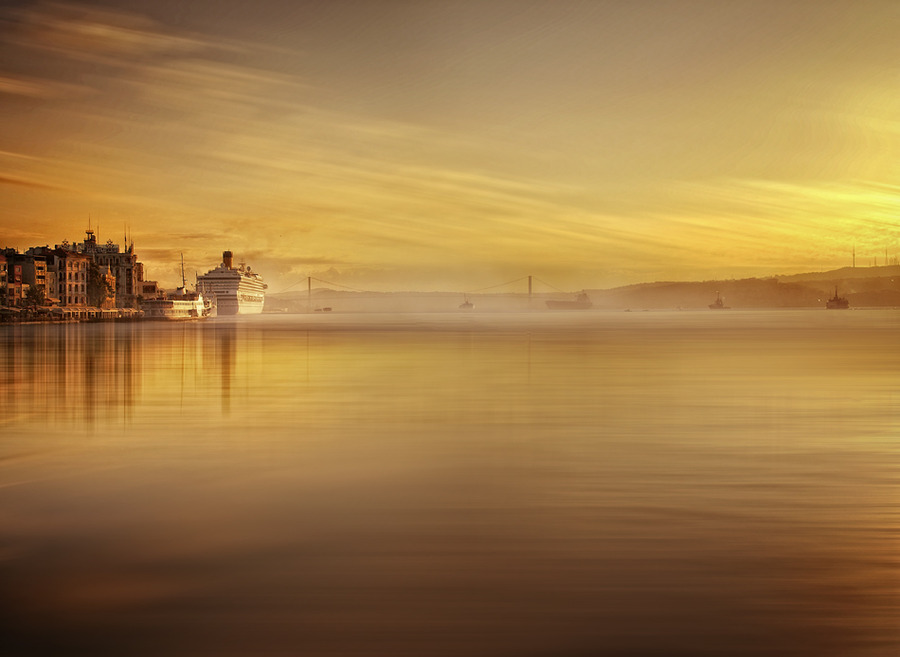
64, 375
597, 484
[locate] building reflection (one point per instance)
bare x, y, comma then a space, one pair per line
201, 377
71, 373
75, 375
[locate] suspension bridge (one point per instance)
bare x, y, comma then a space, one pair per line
319, 292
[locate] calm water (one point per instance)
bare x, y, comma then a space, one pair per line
542, 484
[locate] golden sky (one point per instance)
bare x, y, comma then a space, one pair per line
441, 144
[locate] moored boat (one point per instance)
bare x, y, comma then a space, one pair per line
179, 305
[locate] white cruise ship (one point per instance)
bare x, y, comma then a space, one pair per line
237, 290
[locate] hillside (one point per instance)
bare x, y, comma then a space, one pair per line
844, 274
863, 286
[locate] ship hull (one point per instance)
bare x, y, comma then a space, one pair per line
237, 303
175, 310
581, 302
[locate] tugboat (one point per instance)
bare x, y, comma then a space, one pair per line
718, 304
836, 302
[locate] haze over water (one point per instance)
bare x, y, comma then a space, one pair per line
656, 483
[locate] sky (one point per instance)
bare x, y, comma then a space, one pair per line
454, 145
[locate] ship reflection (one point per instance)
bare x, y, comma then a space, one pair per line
225, 338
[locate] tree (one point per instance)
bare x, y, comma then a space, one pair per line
98, 287
34, 297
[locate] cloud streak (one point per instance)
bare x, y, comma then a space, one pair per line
31, 184
82, 31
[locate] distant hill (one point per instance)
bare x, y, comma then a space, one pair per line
845, 273
863, 286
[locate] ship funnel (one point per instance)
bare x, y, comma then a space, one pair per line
227, 258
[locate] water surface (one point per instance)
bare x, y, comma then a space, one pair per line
676, 483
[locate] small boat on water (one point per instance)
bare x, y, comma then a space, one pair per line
581, 302
718, 304
837, 302
466, 305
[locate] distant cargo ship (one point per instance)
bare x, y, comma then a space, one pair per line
237, 290
836, 302
581, 302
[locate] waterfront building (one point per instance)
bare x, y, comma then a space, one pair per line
85, 280
3, 279
51, 260
34, 272
15, 277
151, 290
70, 278
48, 257
123, 266
73, 277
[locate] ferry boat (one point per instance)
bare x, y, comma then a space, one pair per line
718, 304
179, 305
837, 302
237, 290
581, 302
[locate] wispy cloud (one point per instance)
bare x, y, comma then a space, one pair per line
24, 182
799, 206
37, 88
89, 32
